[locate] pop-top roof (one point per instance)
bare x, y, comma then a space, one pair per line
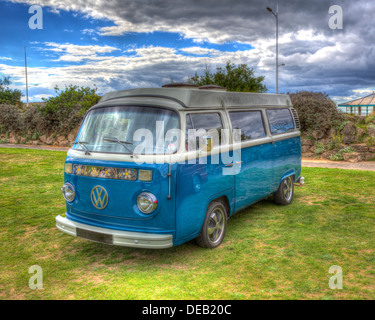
196, 98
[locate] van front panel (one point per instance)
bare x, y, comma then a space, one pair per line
121, 211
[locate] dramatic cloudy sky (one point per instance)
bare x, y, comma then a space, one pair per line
121, 44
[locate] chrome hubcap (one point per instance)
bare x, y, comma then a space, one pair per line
216, 225
288, 188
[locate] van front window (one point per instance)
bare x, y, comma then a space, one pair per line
126, 129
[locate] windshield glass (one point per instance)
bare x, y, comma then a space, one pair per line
125, 129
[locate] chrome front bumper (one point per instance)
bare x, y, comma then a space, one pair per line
114, 237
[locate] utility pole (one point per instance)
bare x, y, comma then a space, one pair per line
27, 85
276, 15
277, 48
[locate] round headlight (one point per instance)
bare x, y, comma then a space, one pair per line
68, 192
147, 202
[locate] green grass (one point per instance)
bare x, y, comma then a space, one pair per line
270, 251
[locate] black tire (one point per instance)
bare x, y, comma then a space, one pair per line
284, 195
214, 226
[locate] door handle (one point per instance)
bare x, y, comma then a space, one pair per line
231, 164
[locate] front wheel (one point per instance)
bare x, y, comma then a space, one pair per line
284, 195
214, 226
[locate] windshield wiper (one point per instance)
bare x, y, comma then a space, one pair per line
82, 144
122, 142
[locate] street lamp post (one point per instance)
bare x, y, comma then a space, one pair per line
276, 15
27, 86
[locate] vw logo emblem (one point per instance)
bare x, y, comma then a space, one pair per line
99, 197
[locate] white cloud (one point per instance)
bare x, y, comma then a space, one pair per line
74, 49
200, 51
77, 53
6, 58
89, 31
38, 97
365, 91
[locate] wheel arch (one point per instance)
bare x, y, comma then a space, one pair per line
287, 174
225, 201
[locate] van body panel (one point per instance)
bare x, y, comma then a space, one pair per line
287, 160
197, 185
256, 171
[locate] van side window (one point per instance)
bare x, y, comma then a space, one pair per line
189, 126
280, 120
250, 123
205, 121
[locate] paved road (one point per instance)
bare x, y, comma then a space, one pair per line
25, 146
363, 165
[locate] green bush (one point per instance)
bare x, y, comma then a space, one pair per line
319, 148
370, 118
316, 111
337, 139
32, 120
331, 145
9, 96
10, 117
60, 114
338, 155
65, 111
339, 126
347, 150
370, 141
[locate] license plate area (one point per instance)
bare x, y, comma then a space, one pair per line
94, 236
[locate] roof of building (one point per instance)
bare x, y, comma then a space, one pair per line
198, 98
365, 101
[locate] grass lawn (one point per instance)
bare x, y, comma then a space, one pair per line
270, 251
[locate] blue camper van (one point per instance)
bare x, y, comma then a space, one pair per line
155, 168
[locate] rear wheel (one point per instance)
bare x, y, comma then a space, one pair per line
284, 195
214, 226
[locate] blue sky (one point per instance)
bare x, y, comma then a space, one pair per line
126, 44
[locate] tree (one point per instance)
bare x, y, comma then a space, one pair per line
9, 96
65, 111
235, 78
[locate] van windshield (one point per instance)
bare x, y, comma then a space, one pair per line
129, 129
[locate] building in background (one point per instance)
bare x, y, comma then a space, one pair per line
362, 106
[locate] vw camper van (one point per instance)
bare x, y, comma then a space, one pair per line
157, 167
